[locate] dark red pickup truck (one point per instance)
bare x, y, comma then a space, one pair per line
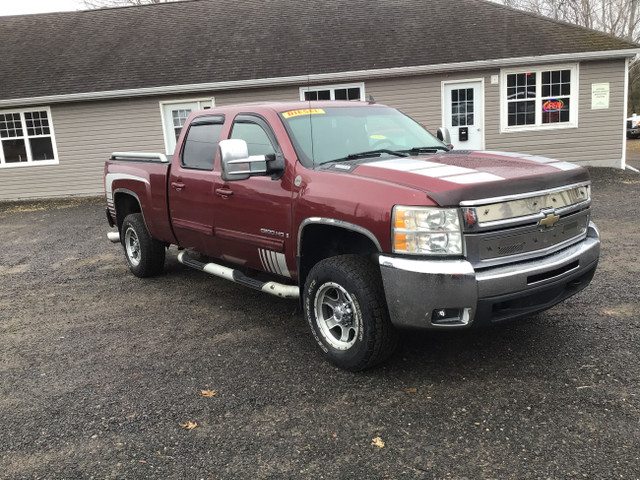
362, 214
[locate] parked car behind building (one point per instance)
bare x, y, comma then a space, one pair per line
633, 126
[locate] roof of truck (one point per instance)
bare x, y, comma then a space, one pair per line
279, 107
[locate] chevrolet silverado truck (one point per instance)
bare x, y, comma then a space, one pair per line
361, 214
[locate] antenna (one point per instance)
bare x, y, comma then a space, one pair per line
313, 159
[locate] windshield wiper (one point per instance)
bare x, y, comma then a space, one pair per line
433, 149
374, 153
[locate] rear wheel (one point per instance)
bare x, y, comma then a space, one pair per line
145, 255
345, 307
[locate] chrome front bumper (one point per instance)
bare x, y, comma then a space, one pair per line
436, 294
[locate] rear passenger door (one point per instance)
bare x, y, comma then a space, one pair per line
191, 185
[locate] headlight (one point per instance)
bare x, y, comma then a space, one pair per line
426, 231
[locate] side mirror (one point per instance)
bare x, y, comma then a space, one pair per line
238, 165
444, 136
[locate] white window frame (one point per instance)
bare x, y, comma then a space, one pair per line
30, 161
332, 90
167, 129
574, 97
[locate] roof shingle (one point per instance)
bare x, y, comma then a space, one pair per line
203, 41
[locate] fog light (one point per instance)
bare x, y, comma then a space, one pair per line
451, 316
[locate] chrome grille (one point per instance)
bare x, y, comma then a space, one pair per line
522, 242
504, 212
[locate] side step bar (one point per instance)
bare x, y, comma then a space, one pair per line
272, 288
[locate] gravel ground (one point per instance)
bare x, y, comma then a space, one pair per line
100, 370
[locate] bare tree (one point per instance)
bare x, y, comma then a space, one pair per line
616, 17
91, 4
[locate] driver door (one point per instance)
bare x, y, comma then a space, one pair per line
253, 216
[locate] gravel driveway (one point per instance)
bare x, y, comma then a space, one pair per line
101, 372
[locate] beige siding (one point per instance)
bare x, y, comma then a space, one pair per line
87, 133
598, 140
420, 96
599, 137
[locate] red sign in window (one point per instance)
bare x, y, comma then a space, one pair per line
553, 105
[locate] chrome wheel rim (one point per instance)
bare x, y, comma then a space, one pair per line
132, 246
337, 316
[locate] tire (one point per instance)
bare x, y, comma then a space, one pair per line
345, 306
144, 254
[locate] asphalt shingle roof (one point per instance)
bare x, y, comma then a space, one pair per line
203, 41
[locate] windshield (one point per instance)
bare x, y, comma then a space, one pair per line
322, 135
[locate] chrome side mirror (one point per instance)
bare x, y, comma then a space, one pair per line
236, 162
444, 136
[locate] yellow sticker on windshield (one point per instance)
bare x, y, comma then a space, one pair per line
378, 137
304, 111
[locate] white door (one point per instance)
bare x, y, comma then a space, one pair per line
173, 117
463, 109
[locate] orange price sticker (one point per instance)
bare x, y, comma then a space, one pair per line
304, 111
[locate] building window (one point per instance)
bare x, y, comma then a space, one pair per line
26, 138
462, 107
333, 92
174, 115
539, 98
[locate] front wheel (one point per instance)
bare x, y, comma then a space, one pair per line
345, 306
145, 255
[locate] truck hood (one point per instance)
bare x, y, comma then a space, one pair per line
451, 177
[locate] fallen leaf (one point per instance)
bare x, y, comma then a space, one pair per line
189, 425
412, 390
377, 442
208, 393
335, 435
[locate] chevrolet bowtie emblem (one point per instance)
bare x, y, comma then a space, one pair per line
549, 220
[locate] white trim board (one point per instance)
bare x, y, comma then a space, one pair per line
623, 159
322, 77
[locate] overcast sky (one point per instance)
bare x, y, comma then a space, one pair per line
22, 7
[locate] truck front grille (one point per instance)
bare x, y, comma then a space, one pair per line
496, 247
521, 228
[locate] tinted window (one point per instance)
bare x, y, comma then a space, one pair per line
257, 140
200, 146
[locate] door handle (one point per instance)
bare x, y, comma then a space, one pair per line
178, 185
224, 192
